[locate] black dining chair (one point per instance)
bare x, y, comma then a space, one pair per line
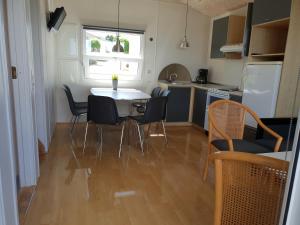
77, 104
140, 106
77, 109
103, 111
155, 112
165, 93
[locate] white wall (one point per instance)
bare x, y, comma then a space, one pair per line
162, 21
226, 71
48, 41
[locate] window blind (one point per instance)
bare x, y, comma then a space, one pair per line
113, 29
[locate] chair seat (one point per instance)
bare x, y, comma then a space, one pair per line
81, 111
270, 144
241, 146
81, 104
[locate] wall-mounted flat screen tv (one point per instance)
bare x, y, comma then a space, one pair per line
56, 18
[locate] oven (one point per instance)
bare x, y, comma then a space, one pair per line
212, 96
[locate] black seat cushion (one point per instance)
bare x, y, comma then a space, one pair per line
270, 144
241, 146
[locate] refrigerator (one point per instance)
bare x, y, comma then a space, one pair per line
261, 85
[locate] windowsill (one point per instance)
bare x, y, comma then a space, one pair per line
109, 80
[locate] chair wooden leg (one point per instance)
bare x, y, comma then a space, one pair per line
207, 163
84, 142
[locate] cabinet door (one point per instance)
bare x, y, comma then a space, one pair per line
199, 107
236, 98
269, 10
178, 104
219, 37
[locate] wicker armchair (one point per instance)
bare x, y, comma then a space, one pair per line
226, 130
249, 188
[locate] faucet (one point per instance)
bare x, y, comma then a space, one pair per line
172, 77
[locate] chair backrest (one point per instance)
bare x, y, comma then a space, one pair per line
249, 188
70, 100
165, 93
156, 92
102, 110
155, 109
67, 87
228, 117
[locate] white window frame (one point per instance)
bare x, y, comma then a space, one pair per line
86, 58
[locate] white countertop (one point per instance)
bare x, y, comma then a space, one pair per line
201, 86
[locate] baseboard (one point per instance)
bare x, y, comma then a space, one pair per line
24, 201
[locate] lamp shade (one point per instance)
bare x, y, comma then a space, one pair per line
184, 43
118, 47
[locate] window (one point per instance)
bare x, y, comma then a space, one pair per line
99, 60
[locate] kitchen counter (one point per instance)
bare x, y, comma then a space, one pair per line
195, 85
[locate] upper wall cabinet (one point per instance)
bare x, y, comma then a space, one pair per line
270, 10
226, 31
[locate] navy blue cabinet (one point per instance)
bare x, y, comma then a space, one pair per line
270, 10
178, 106
219, 37
199, 107
236, 98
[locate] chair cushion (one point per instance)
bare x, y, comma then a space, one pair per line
241, 146
270, 144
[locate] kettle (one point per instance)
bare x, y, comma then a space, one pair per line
202, 76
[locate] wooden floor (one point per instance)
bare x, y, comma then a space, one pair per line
164, 186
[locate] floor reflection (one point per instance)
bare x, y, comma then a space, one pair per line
161, 186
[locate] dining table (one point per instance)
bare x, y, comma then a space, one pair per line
121, 94
123, 97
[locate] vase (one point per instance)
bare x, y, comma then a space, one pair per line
115, 84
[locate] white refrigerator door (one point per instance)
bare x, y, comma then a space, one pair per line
261, 90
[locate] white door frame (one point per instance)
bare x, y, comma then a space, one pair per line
21, 56
8, 186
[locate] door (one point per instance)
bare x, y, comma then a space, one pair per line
270, 10
219, 37
8, 186
261, 90
199, 107
178, 106
21, 57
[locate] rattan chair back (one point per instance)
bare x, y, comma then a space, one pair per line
249, 188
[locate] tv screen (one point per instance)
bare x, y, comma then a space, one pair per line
56, 18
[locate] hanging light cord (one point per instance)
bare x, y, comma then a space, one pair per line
186, 16
119, 18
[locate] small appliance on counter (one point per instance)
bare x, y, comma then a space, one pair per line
202, 76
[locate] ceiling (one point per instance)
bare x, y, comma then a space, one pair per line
213, 7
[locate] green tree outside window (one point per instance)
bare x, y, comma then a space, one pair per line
95, 45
